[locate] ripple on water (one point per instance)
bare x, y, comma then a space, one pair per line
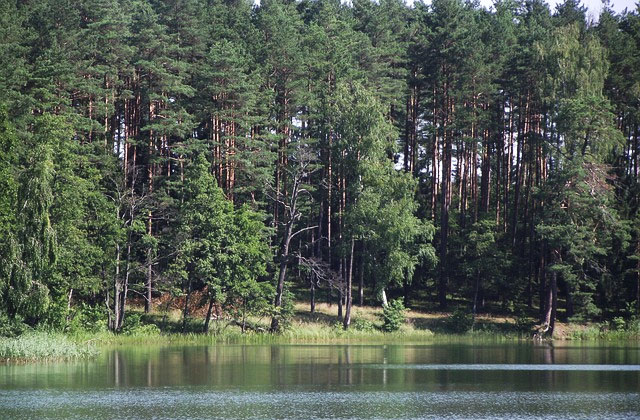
182, 403
513, 367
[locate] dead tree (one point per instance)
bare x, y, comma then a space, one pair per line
321, 275
302, 166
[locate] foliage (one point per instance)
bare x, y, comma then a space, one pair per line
149, 148
363, 325
134, 326
393, 315
284, 313
12, 327
524, 323
219, 247
460, 321
87, 318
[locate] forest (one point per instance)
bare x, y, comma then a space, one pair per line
247, 156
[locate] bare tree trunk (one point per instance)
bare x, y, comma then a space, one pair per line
125, 291
313, 296
116, 292
347, 316
292, 214
552, 302
185, 310
209, 312
444, 214
147, 302
150, 165
69, 296
405, 292
284, 255
340, 303
476, 293
434, 159
361, 275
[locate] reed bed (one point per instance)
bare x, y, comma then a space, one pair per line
43, 346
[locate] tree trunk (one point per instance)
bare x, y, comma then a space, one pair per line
405, 292
476, 293
444, 219
208, 318
185, 310
284, 256
347, 316
147, 302
125, 291
116, 293
361, 275
552, 302
313, 296
150, 164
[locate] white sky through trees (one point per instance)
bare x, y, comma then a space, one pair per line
594, 6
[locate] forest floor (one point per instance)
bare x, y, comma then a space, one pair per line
366, 325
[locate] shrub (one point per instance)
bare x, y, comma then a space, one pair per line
146, 329
286, 311
363, 325
88, 318
460, 321
524, 324
133, 325
11, 327
393, 315
618, 323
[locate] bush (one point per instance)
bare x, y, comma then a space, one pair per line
363, 325
356, 325
11, 327
618, 323
524, 324
286, 311
460, 321
88, 318
633, 325
133, 326
393, 315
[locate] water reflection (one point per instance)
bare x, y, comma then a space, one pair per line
512, 374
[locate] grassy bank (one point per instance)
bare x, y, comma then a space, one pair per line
323, 327
33, 346
164, 328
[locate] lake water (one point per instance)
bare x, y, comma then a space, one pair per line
440, 380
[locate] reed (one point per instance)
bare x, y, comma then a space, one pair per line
43, 346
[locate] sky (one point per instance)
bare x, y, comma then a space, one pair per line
594, 6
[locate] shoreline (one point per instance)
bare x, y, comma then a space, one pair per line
321, 327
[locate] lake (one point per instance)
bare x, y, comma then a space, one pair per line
439, 380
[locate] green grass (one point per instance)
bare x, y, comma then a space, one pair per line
603, 332
164, 328
320, 327
43, 346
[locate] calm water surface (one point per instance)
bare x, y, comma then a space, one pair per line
435, 381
